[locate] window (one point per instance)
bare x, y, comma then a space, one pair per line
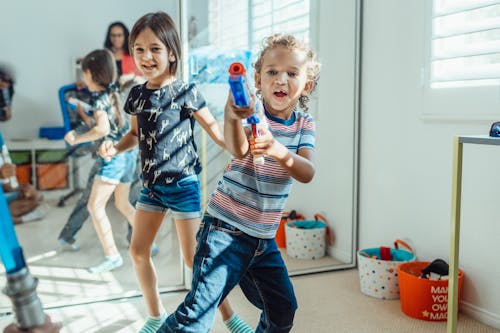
228, 23
465, 43
244, 23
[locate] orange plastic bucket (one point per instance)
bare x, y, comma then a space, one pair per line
423, 298
280, 236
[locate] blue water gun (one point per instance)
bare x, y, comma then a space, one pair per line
21, 285
241, 97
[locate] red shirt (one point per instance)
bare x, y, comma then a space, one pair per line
128, 65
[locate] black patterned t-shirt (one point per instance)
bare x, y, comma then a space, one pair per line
101, 101
165, 130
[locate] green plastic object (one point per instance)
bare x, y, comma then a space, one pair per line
20, 156
51, 156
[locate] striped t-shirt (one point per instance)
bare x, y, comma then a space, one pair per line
252, 197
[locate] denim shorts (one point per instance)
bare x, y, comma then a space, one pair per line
182, 198
120, 169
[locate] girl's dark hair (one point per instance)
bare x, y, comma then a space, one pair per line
102, 67
164, 28
107, 41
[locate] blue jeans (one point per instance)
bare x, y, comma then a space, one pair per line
225, 257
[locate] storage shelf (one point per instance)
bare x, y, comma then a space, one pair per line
52, 162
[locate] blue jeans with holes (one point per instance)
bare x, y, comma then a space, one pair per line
225, 257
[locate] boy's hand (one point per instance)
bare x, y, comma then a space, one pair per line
107, 150
264, 144
7, 170
233, 112
70, 138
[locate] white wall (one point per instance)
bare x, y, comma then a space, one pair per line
41, 39
406, 155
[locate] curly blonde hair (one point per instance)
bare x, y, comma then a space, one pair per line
292, 43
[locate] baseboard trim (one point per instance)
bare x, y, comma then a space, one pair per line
481, 315
340, 255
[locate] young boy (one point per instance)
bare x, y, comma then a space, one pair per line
236, 238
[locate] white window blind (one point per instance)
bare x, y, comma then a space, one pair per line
465, 43
228, 23
244, 23
271, 16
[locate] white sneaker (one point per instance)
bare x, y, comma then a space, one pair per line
65, 246
36, 214
108, 264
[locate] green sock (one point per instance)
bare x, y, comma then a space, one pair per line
236, 325
152, 324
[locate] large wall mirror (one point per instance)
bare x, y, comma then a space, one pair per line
219, 32
42, 43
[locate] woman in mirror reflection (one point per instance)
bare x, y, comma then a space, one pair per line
116, 41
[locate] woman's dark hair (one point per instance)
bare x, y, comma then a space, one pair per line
102, 67
107, 41
164, 28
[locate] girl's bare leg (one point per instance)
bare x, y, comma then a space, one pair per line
146, 225
99, 196
122, 203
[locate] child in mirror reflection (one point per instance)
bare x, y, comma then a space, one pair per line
116, 174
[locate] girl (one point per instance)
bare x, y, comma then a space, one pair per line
163, 113
114, 175
236, 239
